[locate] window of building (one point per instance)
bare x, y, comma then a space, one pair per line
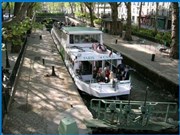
162, 12
152, 11
132, 18
133, 10
147, 11
143, 3
152, 3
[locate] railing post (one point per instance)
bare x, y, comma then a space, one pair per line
167, 112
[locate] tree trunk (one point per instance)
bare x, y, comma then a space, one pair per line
98, 9
17, 7
174, 52
139, 19
156, 18
30, 10
90, 6
20, 14
114, 11
72, 10
128, 36
91, 17
81, 7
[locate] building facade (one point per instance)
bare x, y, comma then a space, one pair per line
147, 14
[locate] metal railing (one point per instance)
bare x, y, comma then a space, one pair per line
132, 113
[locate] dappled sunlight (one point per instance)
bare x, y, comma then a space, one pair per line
40, 98
144, 49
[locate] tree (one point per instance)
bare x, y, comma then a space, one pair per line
71, 4
90, 6
20, 11
128, 36
139, 19
174, 52
156, 18
114, 16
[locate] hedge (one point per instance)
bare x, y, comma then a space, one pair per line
160, 37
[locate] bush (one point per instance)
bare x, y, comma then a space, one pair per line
98, 21
148, 34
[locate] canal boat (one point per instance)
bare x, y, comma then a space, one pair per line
96, 70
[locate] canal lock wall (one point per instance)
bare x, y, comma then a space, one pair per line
155, 78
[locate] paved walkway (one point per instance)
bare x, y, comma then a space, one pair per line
142, 53
41, 100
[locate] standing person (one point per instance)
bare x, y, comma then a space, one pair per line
126, 73
94, 72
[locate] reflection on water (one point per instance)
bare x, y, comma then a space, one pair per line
139, 85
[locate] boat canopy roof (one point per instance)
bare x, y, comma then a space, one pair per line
88, 54
81, 30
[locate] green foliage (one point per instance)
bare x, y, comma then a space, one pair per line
98, 21
16, 31
164, 38
160, 37
80, 14
37, 25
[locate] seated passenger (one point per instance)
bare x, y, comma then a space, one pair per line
107, 72
99, 77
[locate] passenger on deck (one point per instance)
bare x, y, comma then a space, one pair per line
99, 77
126, 73
121, 67
119, 74
94, 72
107, 73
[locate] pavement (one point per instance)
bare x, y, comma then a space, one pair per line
141, 51
41, 100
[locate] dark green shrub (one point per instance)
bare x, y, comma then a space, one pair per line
98, 21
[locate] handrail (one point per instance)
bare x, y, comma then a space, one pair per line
134, 112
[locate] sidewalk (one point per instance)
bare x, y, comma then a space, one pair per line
42, 100
142, 53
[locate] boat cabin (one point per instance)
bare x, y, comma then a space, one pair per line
81, 36
87, 61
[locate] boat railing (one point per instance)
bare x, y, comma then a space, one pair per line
132, 112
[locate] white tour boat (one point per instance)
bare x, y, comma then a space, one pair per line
95, 69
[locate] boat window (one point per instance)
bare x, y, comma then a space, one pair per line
71, 39
78, 39
86, 68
